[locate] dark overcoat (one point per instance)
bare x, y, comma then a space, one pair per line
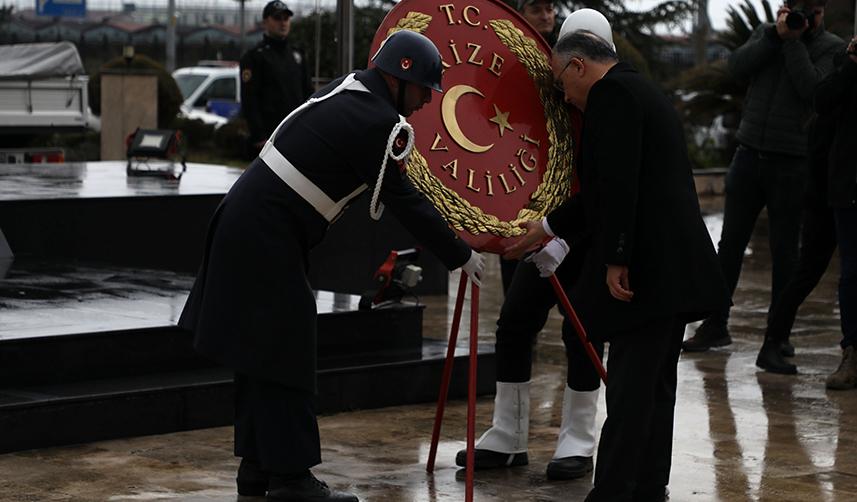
836, 98
637, 207
251, 307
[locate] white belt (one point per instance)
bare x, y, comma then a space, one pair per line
306, 188
287, 172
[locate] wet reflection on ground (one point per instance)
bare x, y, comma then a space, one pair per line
740, 434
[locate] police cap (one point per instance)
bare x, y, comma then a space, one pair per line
410, 56
276, 7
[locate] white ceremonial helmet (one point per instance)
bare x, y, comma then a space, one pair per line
589, 20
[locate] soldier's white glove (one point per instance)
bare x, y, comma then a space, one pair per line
547, 260
474, 267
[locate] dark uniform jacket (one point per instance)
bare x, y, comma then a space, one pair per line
638, 205
837, 96
251, 307
274, 81
782, 75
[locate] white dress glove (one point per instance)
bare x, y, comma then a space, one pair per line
549, 257
474, 267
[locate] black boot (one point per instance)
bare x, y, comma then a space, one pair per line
305, 489
569, 468
252, 480
787, 349
770, 359
487, 459
708, 334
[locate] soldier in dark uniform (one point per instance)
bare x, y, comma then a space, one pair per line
274, 76
251, 307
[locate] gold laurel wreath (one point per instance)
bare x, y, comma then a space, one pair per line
553, 189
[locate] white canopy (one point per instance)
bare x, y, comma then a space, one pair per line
31, 61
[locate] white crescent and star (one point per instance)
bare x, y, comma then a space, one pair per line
450, 119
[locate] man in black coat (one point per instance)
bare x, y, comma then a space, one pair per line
526, 306
252, 308
274, 76
649, 265
783, 62
837, 96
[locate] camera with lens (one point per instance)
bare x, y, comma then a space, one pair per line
798, 16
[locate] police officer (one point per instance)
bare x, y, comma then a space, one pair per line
251, 307
274, 76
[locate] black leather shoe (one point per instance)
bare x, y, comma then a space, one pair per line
654, 494
770, 359
305, 489
569, 468
708, 335
787, 349
252, 480
487, 459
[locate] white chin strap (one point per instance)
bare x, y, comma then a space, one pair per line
376, 209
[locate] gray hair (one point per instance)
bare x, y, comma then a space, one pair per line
586, 45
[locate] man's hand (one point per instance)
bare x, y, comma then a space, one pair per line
783, 29
852, 49
549, 258
617, 282
535, 235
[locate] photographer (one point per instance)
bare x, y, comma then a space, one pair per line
837, 95
783, 63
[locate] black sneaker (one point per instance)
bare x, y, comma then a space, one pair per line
305, 489
770, 359
569, 468
787, 349
487, 459
708, 335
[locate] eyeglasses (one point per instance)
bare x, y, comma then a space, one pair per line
557, 83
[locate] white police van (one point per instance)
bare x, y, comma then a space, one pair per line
211, 91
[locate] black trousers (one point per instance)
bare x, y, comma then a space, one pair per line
818, 242
635, 451
507, 272
759, 180
525, 310
275, 426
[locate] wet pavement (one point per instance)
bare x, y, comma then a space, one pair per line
741, 434
105, 179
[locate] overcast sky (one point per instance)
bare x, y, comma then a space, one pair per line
716, 8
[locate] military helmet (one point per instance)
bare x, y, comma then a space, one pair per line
410, 56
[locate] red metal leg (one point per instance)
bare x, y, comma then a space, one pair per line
471, 391
447, 372
581, 333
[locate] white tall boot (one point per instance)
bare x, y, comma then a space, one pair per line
576, 443
505, 443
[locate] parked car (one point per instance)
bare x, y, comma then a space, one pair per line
211, 91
